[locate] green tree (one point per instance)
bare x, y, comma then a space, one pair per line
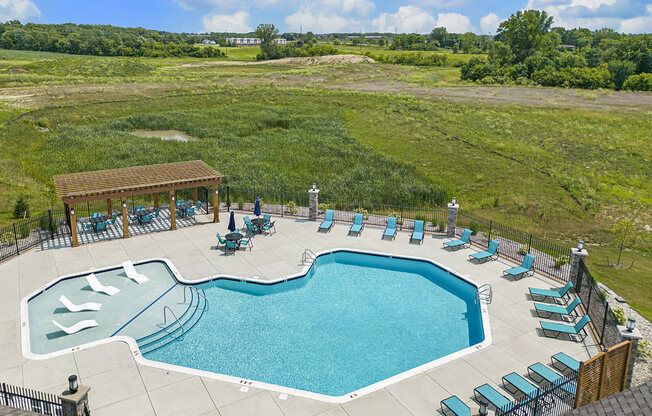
620, 71
623, 235
267, 33
467, 41
440, 35
525, 32
21, 207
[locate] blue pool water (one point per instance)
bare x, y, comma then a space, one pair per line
353, 320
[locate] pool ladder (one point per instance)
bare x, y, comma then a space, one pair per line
165, 317
484, 293
308, 256
196, 292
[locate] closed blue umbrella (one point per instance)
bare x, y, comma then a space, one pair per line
231, 226
257, 208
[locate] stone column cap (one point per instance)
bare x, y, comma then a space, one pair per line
623, 333
576, 252
316, 190
453, 206
81, 392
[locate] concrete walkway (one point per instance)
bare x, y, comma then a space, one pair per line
120, 386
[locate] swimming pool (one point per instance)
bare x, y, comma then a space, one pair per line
352, 322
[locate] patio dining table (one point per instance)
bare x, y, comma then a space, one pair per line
141, 213
236, 237
96, 220
259, 222
183, 207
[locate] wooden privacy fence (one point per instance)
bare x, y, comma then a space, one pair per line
603, 375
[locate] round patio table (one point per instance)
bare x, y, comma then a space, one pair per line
259, 222
234, 237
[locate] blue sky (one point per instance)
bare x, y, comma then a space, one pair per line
320, 16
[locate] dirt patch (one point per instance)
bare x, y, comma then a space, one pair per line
311, 60
17, 70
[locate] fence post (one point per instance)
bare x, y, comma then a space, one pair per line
529, 244
491, 222
626, 335
228, 200
577, 257
16, 239
452, 219
604, 322
313, 202
51, 224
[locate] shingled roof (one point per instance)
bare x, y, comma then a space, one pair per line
632, 402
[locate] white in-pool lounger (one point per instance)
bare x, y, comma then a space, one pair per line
99, 287
89, 306
89, 323
133, 274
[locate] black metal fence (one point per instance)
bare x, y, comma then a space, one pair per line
552, 399
552, 258
596, 306
25, 234
31, 400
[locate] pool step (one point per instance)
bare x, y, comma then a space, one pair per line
174, 331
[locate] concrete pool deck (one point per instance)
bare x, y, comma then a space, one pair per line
119, 385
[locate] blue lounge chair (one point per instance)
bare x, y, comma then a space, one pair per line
552, 294
523, 270
543, 375
490, 254
357, 224
390, 230
517, 385
485, 394
456, 406
578, 330
328, 221
232, 245
220, 240
247, 243
462, 242
550, 310
568, 363
268, 226
417, 234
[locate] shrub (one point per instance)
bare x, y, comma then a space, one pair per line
560, 261
644, 351
7, 238
477, 69
291, 206
602, 295
324, 206
474, 227
21, 207
43, 123
589, 78
639, 82
522, 250
23, 231
364, 212
619, 314
45, 224
621, 71
441, 225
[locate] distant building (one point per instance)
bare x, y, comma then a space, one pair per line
568, 47
252, 41
208, 42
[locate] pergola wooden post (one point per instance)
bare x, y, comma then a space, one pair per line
138, 180
125, 218
216, 204
195, 194
73, 226
173, 211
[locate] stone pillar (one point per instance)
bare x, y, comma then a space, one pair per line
173, 211
452, 219
313, 202
216, 204
73, 226
125, 218
634, 336
577, 256
75, 404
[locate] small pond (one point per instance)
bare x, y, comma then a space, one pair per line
177, 135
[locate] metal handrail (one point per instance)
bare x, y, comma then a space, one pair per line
308, 255
485, 293
196, 291
165, 318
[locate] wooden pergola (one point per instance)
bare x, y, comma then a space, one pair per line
138, 180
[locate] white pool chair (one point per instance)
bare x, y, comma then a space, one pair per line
90, 306
99, 287
133, 274
89, 323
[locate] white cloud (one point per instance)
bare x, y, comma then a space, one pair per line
237, 22
407, 19
440, 4
18, 9
227, 4
357, 7
319, 22
454, 22
489, 23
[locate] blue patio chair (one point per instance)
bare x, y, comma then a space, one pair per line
155, 215
190, 212
88, 226
576, 332
133, 218
550, 310
390, 230
357, 224
250, 226
485, 394
568, 363
247, 243
111, 221
100, 226
268, 226
232, 245
490, 254
220, 240
328, 220
543, 375
417, 234
267, 217
524, 269
456, 406
139, 208
95, 215
145, 219
462, 242
197, 206
552, 294
179, 202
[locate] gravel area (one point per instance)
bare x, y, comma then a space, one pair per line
642, 367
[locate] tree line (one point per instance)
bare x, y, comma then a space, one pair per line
102, 40
528, 50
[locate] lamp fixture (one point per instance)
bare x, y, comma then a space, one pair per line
73, 384
631, 324
454, 199
580, 245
